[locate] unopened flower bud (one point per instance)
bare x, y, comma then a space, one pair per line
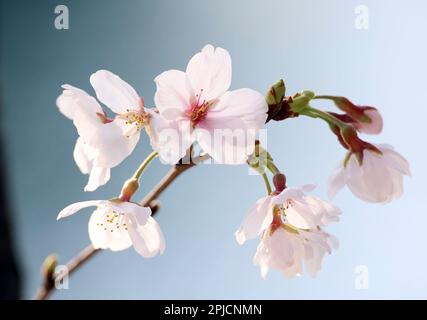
276, 93
364, 118
279, 181
48, 268
274, 99
129, 188
371, 122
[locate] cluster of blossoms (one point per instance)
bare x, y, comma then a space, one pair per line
196, 106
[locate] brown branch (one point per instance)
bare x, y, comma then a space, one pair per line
49, 278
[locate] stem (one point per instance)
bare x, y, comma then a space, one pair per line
330, 119
72, 265
145, 164
272, 167
325, 97
48, 285
267, 183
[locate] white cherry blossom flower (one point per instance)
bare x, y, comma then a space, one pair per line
104, 143
289, 226
117, 225
378, 179
101, 144
224, 123
301, 210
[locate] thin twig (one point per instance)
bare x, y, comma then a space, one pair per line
48, 284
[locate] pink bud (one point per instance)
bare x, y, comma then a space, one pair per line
129, 188
372, 126
279, 181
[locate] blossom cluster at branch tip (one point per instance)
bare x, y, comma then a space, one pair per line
196, 107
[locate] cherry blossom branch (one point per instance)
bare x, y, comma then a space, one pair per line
49, 277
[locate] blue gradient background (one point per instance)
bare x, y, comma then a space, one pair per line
311, 44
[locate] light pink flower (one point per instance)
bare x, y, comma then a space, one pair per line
378, 179
301, 210
117, 225
104, 142
224, 123
289, 226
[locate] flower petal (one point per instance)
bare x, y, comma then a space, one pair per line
337, 181
83, 109
74, 100
83, 156
292, 193
103, 238
114, 92
171, 139
98, 177
229, 130
174, 95
147, 239
209, 72
395, 160
113, 144
243, 108
257, 220
73, 208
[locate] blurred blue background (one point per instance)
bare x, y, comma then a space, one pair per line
311, 44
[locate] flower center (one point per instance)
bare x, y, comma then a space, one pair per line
280, 220
136, 120
112, 220
198, 110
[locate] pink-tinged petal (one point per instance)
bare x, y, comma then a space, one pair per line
114, 92
83, 109
226, 146
371, 182
292, 193
83, 156
379, 179
113, 144
337, 181
281, 249
396, 161
239, 109
209, 72
295, 269
147, 239
98, 177
229, 130
103, 237
174, 95
171, 139
301, 215
74, 100
376, 124
261, 259
139, 213
73, 208
257, 220
326, 211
